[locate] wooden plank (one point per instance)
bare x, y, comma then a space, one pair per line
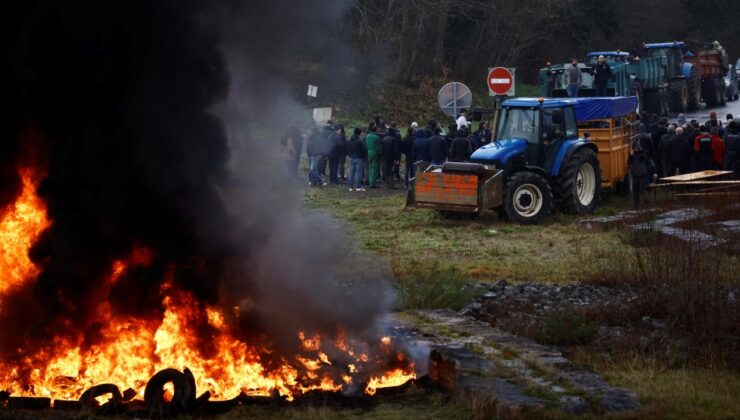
711, 194
695, 176
693, 183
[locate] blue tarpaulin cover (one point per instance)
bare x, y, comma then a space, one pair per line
604, 108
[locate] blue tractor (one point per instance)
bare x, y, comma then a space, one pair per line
537, 161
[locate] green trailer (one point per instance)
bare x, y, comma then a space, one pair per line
631, 76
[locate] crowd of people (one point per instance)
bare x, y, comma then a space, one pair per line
377, 154
662, 149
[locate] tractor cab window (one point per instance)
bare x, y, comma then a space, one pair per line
519, 123
553, 125
571, 125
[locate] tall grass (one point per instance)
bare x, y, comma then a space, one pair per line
683, 282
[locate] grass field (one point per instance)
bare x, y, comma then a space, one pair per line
427, 251
438, 262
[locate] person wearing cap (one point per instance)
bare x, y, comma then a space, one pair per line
572, 76
602, 74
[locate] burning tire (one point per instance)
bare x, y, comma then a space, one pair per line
88, 398
183, 396
679, 95
527, 198
579, 187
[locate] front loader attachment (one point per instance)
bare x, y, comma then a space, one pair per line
457, 187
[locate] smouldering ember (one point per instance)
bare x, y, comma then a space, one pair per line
128, 351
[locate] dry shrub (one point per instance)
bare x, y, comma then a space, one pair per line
684, 282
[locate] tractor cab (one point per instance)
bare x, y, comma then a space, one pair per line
530, 133
672, 52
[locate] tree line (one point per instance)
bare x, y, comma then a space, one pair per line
461, 38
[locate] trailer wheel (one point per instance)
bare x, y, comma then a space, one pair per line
679, 95
709, 93
694, 87
578, 189
527, 198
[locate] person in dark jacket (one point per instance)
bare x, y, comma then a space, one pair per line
438, 149
407, 149
357, 154
657, 135
662, 162
646, 141
702, 148
420, 149
479, 137
336, 150
732, 149
714, 122
389, 152
602, 74
677, 154
641, 164
316, 149
292, 145
461, 147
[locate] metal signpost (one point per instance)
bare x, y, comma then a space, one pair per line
501, 81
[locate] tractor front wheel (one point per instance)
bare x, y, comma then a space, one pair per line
579, 187
527, 198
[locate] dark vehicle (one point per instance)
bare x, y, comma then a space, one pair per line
731, 84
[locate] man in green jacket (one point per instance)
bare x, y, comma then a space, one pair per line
372, 141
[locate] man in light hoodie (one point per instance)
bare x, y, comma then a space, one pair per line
572, 76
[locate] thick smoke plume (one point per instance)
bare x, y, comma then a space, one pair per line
153, 123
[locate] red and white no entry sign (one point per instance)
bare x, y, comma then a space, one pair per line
500, 81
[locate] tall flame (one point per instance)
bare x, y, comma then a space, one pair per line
130, 350
20, 226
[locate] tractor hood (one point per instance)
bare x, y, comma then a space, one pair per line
499, 152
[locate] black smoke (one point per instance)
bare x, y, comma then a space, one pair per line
152, 135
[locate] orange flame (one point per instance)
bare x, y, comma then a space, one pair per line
130, 350
19, 228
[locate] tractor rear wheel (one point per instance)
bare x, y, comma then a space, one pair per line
694, 86
679, 95
527, 198
578, 189
651, 101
